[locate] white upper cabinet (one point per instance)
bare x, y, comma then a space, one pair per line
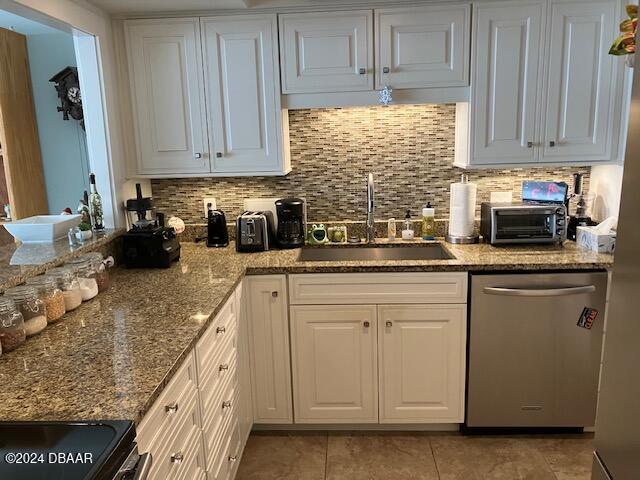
165, 71
326, 52
243, 94
505, 91
581, 91
423, 46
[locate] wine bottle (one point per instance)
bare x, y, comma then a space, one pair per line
95, 206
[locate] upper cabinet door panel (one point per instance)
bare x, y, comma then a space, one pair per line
242, 85
167, 89
505, 94
326, 52
581, 80
423, 47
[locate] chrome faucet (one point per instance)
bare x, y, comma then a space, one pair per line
371, 236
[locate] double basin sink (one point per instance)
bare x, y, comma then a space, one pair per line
373, 252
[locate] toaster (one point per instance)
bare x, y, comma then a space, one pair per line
254, 231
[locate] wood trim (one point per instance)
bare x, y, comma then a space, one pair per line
19, 130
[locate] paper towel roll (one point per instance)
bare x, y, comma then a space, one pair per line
462, 209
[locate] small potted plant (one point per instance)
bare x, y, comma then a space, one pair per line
625, 44
84, 232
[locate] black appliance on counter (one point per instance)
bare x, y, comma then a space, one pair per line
217, 233
101, 450
580, 218
148, 244
290, 232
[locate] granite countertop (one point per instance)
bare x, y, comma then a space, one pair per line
110, 358
19, 261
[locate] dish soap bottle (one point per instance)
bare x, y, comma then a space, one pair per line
407, 231
428, 222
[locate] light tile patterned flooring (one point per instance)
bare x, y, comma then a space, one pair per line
433, 456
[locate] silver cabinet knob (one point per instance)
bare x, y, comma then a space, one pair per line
171, 408
177, 458
552, 143
218, 154
389, 323
385, 70
197, 155
529, 144
362, 71
233, 458
223, 367
220, 330
274, 294
366, 324
226, 404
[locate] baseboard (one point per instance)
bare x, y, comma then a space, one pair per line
431, 427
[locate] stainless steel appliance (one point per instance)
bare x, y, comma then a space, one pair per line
217, 233
530, 362
617, 441
254, 232
103, 450
505, 223
291, 222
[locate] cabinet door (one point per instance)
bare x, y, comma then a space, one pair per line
506, 80
326, 52
581, 93
245, 410
422, 363
334, 363
165, 71
423, 47
242, 83
266, 304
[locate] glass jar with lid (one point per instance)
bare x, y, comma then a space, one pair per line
50, 295
67, 282
86, 274
30, 306
100, 266
12, 333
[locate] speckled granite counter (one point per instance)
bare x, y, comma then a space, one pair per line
111, 357
21, 261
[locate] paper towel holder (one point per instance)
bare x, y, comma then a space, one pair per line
462, 239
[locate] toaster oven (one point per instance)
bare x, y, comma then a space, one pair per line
502, 223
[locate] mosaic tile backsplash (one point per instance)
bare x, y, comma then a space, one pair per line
409, 149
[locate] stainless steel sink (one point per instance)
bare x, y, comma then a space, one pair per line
433, 251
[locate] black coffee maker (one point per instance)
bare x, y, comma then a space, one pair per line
217, 233
291, 223
148, 244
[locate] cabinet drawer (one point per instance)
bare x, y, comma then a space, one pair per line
168, 410
218, 419
222, 327
228, 454
185, 443
213, 389
377, 288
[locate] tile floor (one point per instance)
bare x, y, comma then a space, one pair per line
434, 456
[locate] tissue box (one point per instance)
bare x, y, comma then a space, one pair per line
589, 238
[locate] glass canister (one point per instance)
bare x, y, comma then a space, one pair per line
12, 333
30, 306
86, 274
100, 266
50, 295
68, 283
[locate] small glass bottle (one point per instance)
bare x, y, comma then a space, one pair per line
95, 206
51, 296
68, 283
31, 308
12, 333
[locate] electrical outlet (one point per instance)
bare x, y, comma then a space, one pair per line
205, 202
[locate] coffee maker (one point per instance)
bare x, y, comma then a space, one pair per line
290, 232
148, 244
580, 218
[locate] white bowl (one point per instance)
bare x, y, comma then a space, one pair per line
42, 228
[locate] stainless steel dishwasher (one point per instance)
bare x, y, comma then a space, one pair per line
530, 363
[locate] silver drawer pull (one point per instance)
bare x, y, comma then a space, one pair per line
366, 324
274, 294
233, 458
362, 71
389, 323
220, 330
171, 408
542, 292
529, 144
552, 143
197, 155
223, 367
218, 154
177, 458
385, 70
226, 404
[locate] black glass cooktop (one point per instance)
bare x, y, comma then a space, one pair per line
64, 450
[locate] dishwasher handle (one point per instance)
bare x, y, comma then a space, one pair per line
541, 292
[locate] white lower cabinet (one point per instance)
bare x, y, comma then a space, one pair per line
334, 363
422, 363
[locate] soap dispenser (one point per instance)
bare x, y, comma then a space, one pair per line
428, 222
407, 231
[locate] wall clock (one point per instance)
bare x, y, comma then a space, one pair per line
68, 88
